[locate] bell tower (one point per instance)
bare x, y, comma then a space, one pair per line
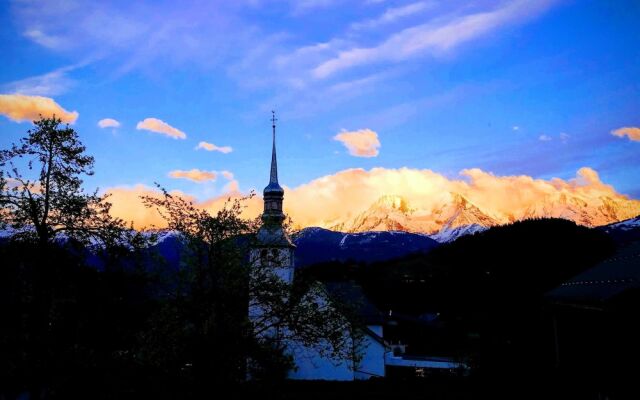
273, 246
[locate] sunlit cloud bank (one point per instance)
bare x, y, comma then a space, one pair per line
159, 126
127, 204
334, 199
632, 133
19, 108
361, 143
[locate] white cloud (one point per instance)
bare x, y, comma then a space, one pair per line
393, 14
212, 147
159, 126
50, 84
108, 123
256, 54
133, 35
44, 39
431, 37
360, 143
545, 138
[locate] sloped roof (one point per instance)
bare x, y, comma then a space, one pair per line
605, 281
351, 293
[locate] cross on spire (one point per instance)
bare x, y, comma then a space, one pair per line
274, 161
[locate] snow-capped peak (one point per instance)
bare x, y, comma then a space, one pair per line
632, 223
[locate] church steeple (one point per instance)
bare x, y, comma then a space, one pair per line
273, 193
274, 161
273, 246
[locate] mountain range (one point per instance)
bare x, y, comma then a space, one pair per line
456, 214
318, 245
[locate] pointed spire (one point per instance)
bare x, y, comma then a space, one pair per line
274, 161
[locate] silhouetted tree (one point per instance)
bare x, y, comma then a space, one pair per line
205, 324
41, 194
62, 320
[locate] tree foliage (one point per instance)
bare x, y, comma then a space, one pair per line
63, 322
221, 284
41, 193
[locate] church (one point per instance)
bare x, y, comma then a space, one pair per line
273, 243
274, 248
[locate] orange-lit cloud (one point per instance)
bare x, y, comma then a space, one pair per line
195, 175
333, 199
127, 204
227, 174
360, 143
108, 123
33, 186
632, 133
212, 147
19, 107
158, 126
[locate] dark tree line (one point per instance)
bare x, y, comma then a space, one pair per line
485, 293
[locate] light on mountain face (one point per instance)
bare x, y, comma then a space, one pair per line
424, 201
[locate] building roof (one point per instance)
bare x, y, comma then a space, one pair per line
273, 235
273, 187
352, 294
605, 281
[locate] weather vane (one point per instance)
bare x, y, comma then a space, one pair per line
273, 118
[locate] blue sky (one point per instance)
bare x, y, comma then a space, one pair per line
511, 87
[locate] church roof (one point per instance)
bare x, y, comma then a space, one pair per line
273, 187
352, 294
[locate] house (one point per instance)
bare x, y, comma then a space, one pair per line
312, 366
595, 321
